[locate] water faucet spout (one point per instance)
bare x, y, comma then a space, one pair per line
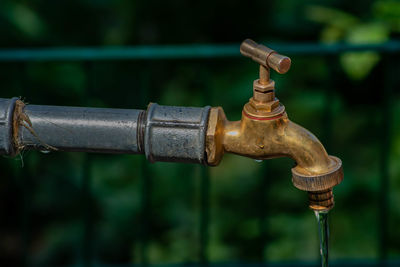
265, 132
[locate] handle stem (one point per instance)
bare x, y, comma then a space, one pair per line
264, 75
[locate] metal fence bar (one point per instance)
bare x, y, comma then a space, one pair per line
146, 189
204, 215
181, 51
205, 183
329, 91
87, 218
263, 193
27, 189
386, 142
327, 118
145, 214
87, 244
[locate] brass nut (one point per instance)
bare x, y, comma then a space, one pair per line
257, 86
263, 113
263, 98
262, 106
214, 136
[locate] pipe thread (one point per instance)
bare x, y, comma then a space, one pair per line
141, 126
321, 200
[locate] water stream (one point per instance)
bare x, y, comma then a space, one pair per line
323, 231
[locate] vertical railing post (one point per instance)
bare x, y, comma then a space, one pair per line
87, 212
146, 178
386, 141
329, 91
263, 211
87, 178
204, 215
87, 199
25, 179
204, 189
145, 213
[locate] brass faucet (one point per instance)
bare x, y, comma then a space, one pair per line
265, 132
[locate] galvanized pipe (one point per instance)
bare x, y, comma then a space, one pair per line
162, 133
82, 129
176, 134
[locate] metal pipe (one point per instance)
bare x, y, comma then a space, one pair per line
163, 133
176, 134
82, 129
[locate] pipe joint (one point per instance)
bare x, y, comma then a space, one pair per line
175, 133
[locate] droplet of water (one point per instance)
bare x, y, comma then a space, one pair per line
323, 231
258, 160
45, 151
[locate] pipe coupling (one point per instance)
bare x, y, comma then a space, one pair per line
175, 134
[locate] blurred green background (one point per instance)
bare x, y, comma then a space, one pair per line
64, 209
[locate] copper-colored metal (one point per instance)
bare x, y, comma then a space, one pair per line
273, 137
265, 132
264, 75
263, 92
265, 138
264, 102
321, 200
215, 135
265, 56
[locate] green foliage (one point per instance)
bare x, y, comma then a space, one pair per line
24, 19
345, 27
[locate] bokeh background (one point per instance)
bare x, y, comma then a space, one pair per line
75, 209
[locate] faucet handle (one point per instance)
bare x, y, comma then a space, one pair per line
265, 56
